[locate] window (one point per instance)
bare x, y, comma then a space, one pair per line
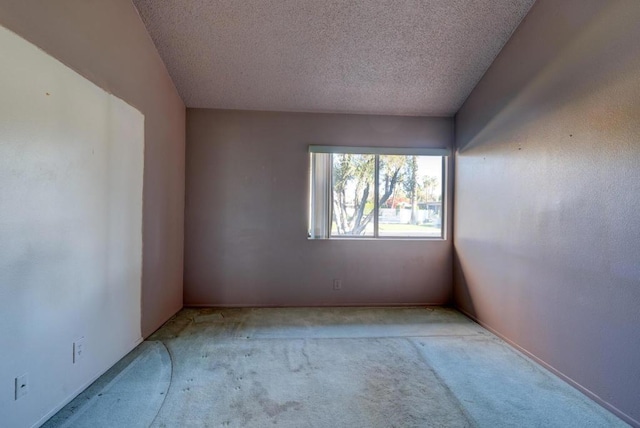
367, 192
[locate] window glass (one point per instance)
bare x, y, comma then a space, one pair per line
410, 201
376, 195
353, 192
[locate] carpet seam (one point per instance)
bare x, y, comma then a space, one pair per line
170, 383
472, 422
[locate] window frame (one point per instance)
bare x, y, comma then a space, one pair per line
443, 153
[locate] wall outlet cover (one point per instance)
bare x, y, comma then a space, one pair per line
337, 284
22, 386
78, 350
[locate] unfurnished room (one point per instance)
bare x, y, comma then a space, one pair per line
319, 213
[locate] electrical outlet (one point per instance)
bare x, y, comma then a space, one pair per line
78, 350
22, 386
337, 284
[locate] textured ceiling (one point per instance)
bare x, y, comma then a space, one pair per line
420, 57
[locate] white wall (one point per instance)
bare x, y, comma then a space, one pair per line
71, 168
107, 42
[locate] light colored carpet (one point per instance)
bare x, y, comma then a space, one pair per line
328, 367
128, 395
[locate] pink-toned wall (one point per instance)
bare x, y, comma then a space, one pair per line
106, 42
547, 221
246, 215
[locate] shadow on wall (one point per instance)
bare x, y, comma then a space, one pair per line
462, 295
547, 184
549, 74
548, 85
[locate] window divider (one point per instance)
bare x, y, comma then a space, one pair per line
376, 195
445, 195
312, 197
329, 209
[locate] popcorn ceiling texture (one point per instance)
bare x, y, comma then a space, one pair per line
385, 57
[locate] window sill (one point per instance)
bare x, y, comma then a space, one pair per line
386, 238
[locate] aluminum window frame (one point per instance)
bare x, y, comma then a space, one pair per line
443, 153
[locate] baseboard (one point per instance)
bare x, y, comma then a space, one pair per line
84, 386
148, 331
608, 406
320, 305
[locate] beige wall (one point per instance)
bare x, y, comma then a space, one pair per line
246, 214
107, 42
547, 224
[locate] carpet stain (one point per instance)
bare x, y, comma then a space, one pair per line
271, 407
260, 395
211, 317
296, 356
